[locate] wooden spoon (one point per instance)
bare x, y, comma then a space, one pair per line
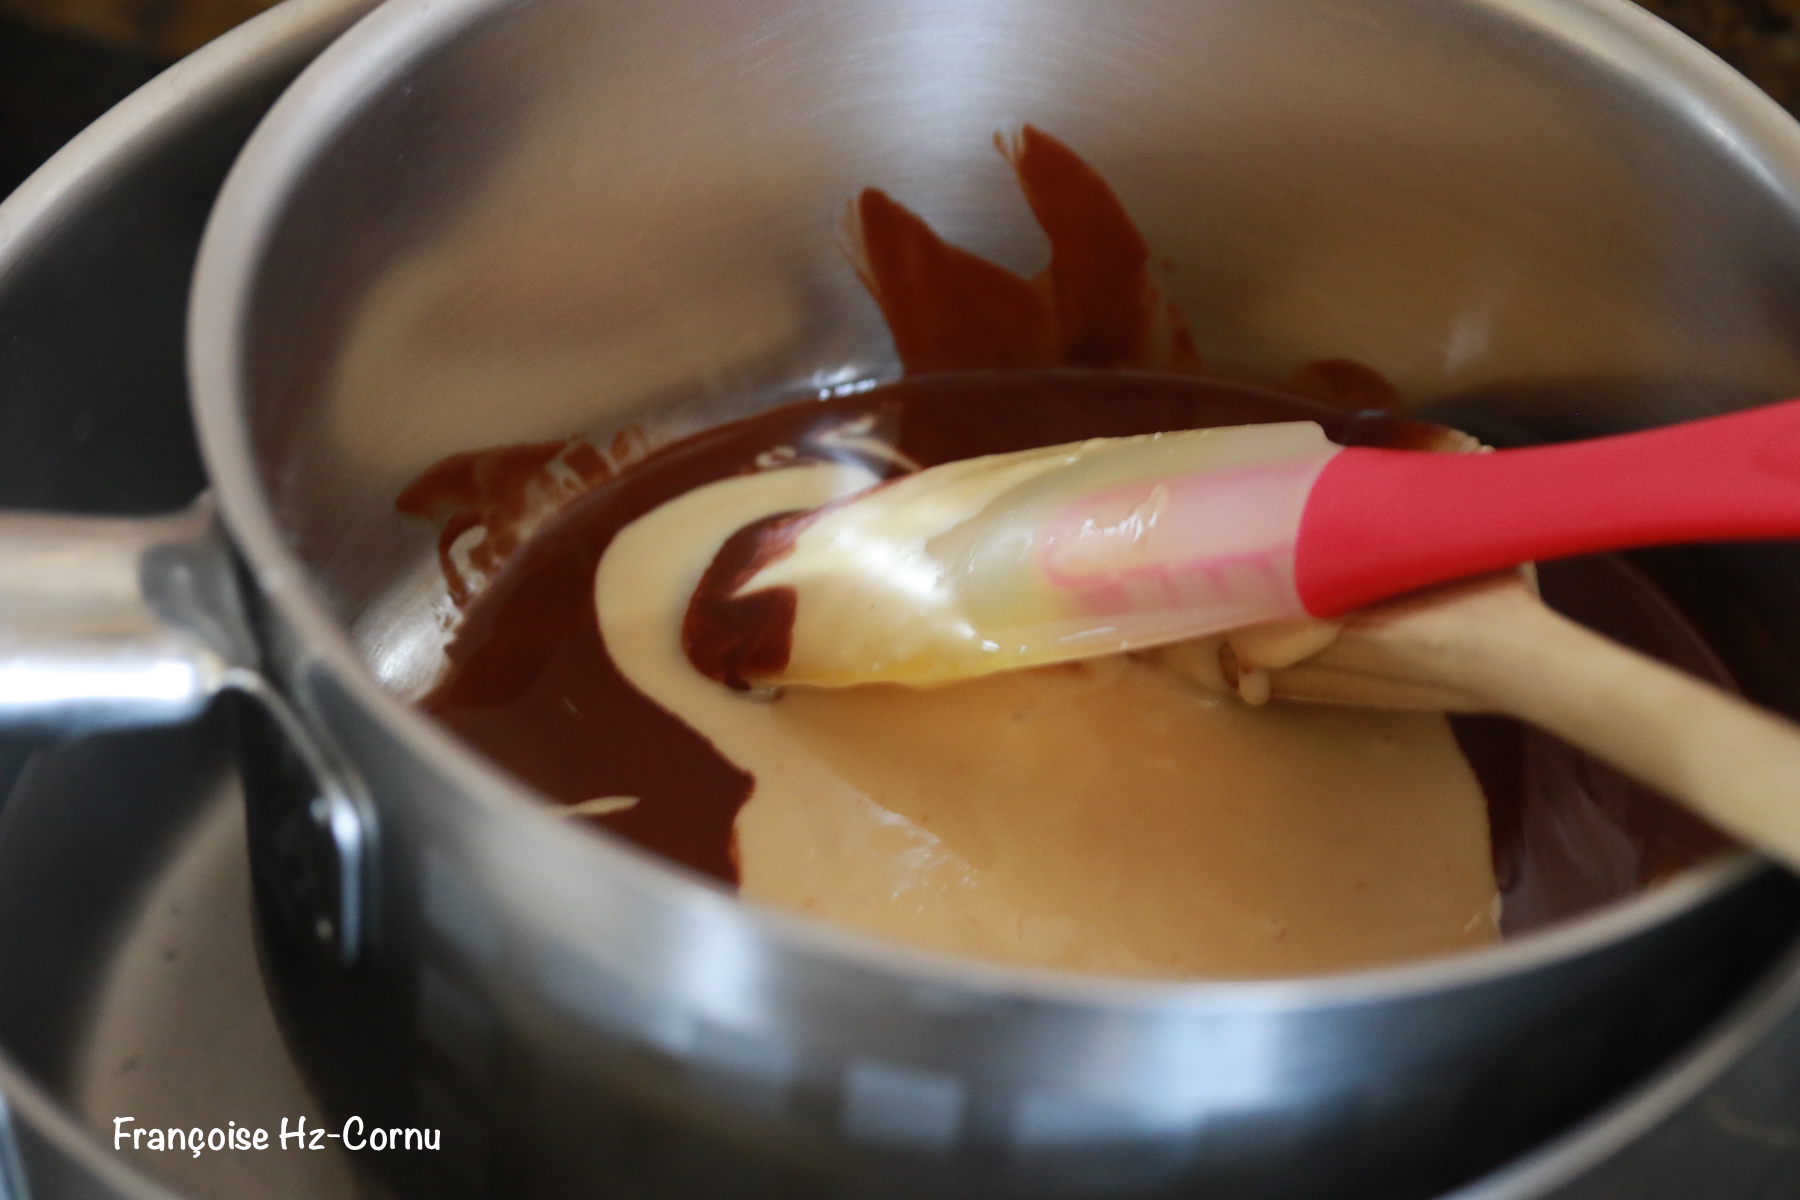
1490, 645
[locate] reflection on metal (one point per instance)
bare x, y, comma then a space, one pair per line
1504, 196
112, 622
312, 834
13, 1185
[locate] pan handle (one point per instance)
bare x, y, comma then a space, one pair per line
110, 622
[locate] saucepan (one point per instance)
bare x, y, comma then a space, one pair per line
472, 223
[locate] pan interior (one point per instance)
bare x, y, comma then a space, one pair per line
579, 219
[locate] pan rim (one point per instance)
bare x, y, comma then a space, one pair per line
300, 127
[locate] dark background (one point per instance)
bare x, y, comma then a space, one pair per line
1761, 38
64, 62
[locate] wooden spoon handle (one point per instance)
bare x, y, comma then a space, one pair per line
1729, 761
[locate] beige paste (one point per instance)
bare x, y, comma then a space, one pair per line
1112, 816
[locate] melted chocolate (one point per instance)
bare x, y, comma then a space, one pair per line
729, 637
1094, 305
506, 492
530, 684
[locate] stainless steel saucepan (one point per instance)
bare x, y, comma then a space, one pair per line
473, 222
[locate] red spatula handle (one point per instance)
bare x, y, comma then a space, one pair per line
1382, 522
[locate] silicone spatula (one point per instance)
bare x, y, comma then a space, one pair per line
1071, 551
